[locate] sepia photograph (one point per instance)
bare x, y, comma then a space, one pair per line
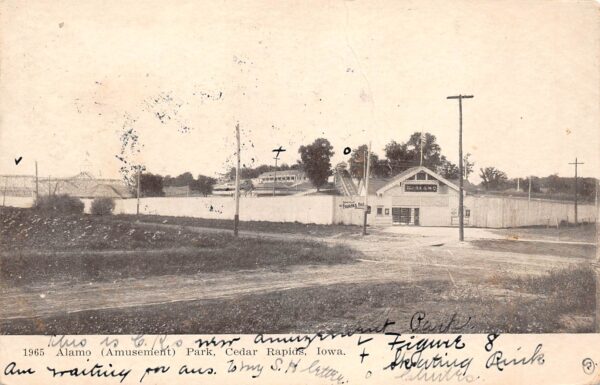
347, 166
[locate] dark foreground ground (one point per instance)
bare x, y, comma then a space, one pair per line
87, 275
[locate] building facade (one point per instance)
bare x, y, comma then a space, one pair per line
415, 197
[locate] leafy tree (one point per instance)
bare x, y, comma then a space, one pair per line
468, 165
399, 157
167, 180
492, 178
151, 185
535, 184
204, 185
402, 156
449, 170
316, 161
378, 167
184, 179
432, 152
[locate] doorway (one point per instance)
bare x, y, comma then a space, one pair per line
406, 216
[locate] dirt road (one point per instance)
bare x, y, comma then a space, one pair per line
386, 258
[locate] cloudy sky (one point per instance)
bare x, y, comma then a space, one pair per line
75, 74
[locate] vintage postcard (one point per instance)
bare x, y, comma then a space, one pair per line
303, 192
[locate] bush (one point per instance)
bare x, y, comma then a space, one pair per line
62, 203
103, 206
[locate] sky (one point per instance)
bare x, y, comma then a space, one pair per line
75, 75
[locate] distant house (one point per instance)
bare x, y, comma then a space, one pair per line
285, 177
287, 182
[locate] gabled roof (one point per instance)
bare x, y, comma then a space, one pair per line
404, 175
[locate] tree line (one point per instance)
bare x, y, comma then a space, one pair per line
153, 185
419, 149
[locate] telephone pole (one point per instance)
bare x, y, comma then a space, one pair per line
278, 151
576, 163
366, 175
461, 224
236, 217
275, 176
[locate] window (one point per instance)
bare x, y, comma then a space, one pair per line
387, 211
379, 210
467, 213
421, 176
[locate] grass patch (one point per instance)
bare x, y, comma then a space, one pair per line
570, 290
48, 248
230, 255
572, 233
538, 248
27, 229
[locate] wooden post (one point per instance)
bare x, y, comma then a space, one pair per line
236, 217
275, 176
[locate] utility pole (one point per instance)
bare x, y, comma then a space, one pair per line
461, 224
278, 151
576, 163
529, 193
139, 171
366, 175
37, 191
236, 217
421, 145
